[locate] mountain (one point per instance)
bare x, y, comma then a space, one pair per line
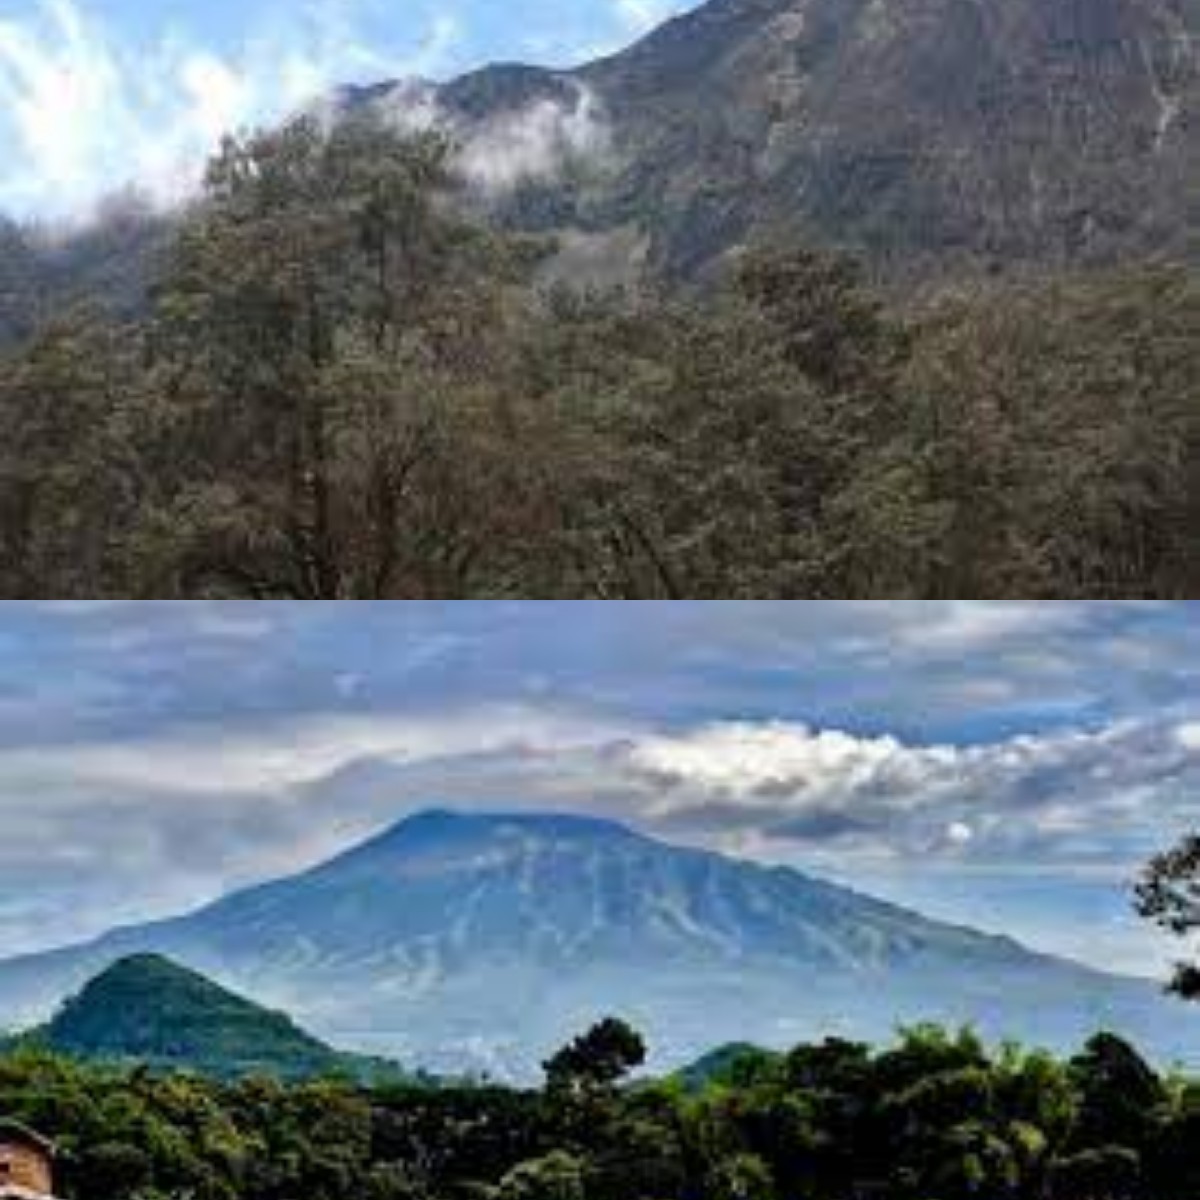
930, 136
104, 264
727, 1066
147, 1009
482, 941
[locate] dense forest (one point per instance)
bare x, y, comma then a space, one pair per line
934, 1117
342, 387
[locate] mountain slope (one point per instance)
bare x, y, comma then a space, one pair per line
104, 265
460, 941
932, 137
148, 1009
727, 1066
929, 135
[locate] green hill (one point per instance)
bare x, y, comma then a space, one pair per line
733, 1065
152, 1011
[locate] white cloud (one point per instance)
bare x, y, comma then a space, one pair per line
959, 833
278, 756
1075, 796
1189, 736
638, 16
160, 754
535, 141
127, 828
953, 627
84, 112
774, 788
742, 760
170, 817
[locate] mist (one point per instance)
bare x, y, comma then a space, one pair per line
531, 143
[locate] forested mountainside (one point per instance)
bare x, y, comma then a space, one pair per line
352, 369
144, 1010
472, 942
107, 264
934, 1116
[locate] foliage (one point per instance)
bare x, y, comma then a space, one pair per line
1169, 895
346, 389
598, 1060
737, 1064
934, 1117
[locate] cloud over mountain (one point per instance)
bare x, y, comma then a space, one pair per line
1076, 796
91, 105
639, 15
179, 750
533, 141
86, 110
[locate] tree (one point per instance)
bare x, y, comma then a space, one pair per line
1118, 1095
831, 326
71, 415
331, 332
1055, 428
596, 1061
556, 1176
1169, 895
746, 444
742, 1177
1103, 1173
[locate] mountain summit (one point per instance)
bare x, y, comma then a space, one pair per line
928, 135
458, 940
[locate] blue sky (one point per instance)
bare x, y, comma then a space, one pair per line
95, 94
1006, 764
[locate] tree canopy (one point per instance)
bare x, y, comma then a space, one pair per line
935, 1116
1169, 895
344, 387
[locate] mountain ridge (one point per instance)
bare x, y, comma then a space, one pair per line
933, 139
927, 136
480, 942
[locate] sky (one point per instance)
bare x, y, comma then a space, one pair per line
98, 94
1006, 765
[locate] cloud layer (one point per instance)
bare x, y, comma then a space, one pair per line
155, 755
1062, 800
